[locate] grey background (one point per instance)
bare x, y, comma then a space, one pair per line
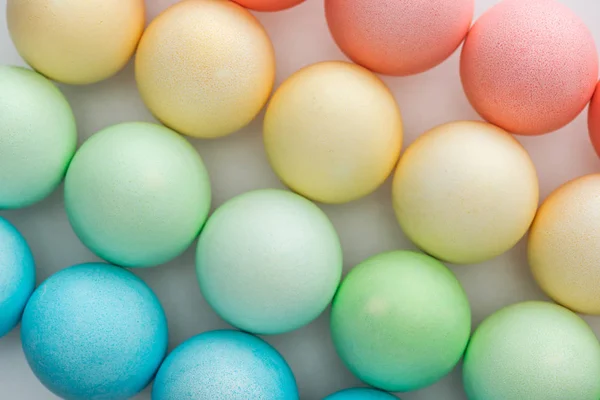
237, 164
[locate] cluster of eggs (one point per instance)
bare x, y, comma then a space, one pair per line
270, 261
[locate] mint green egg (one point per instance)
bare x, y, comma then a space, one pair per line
400, 321
533, 351
137, 194
38, 137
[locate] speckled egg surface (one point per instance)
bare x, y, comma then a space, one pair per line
400, 321
594, 120
268, 5
533, 351
137, 194
38, 136
94, 332
268, 261
224, 365
360, 394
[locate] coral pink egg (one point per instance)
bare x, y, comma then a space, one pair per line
268, 5
594, 120
399, 37
529, 67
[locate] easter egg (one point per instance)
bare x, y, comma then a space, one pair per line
333, 132
465, 192
205, 68
268, 5
399, 37
268, 261
74, 41
137, 194
529, 67
360, 394
94, 331
224, 365
564, 245
38, 137
594, 120
400, 321
17, 275
533, 351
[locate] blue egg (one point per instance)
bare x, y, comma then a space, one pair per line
225, 365
94, 332
17, 276
361, 394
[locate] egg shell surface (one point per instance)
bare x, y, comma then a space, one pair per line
268, 5
594, 120
360, 394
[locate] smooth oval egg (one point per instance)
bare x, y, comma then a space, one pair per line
333, 132
529, 67
268, 261
224, 364
400, 321
73, 41
94, 331
38, 137
594, 120
533, 351
465, 192
361, 394
205, 68
399, 37
137, 194
564, 245
268, 5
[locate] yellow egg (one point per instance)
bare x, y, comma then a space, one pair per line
564, 245
333, 132
76, 41
205, 68
465, 192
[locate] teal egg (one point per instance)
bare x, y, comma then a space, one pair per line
137, 194
533, 351
400, 321
361, 394
269, 261
38, 137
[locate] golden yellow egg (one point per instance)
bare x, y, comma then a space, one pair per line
465, 192
564, 245
333, 132
205, 68
76, 41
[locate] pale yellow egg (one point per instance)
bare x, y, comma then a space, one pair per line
205, 68
333, 132
465, 192
76, 41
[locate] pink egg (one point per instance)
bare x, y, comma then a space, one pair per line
594, 120
529, 67
268, 5
399, 37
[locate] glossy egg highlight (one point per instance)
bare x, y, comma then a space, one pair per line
594, 120
74, 41
205, 68
399, 37
465, 192
268, 5
529, 67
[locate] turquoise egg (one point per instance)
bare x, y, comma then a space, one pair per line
361, 394
269, 261
137, 194
94, 332
38, 137
224, 365
400, 321
17, 276
533, 351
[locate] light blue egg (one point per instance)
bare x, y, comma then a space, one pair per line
224, 365
17, 276
360, 394
94, 332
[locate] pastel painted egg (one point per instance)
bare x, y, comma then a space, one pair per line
205, 68
361, 394
224, 364
94, 331
137, 194
333, 132
400, 321
564, 245
533, 351
594, 120
74, 41
38, 137
268, 5
268, 261
465, 192
529, 67
17, 276
399, 37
